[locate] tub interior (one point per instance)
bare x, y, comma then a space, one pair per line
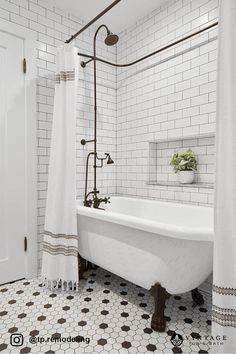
163, 212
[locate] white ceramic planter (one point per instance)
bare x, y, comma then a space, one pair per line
186, 177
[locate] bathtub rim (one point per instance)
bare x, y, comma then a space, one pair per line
164, 229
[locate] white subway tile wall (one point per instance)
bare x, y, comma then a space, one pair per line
169, 96
53, 27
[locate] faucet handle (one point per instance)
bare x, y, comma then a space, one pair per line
88, 203
107, 200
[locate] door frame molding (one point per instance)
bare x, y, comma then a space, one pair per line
29, 38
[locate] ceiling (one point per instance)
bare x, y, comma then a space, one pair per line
124, 14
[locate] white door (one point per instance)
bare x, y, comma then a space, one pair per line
13, 156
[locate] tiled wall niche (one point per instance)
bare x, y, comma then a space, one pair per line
160, 171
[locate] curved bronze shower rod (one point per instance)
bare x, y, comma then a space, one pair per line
92, 21
92, 58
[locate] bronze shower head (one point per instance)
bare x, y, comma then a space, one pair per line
111, 39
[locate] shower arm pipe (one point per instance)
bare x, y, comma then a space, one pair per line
95, 104
92, 21
93, 58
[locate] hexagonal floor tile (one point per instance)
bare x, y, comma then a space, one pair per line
107, 315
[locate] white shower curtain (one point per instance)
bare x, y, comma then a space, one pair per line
60, 244
224, 288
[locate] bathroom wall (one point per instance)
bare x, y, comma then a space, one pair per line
53, 26
166, 99
143, 103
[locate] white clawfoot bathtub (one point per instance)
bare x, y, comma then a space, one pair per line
149, 242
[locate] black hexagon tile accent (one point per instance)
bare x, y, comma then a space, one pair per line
3, 346
82, 323
125, 328
202, 309
85, 310
87, 299
124, 303
177, 297
151, 347
145, 316
89, 290
47, 306
61, 320
123, 293
13, 330
103, 325
102, 341
41, 318
11, 302
124, 314
4, 290
188, 320
70, 297
141, 294
148, 330
66, 308
104, 312
34, 333
25, 350
105, 301
22, 315
182, 308
170, 332
36, 293
177, 350
126, 345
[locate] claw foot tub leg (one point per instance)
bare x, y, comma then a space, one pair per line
82, 266
197, 297
160, 295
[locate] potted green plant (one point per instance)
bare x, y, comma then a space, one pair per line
184, 163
